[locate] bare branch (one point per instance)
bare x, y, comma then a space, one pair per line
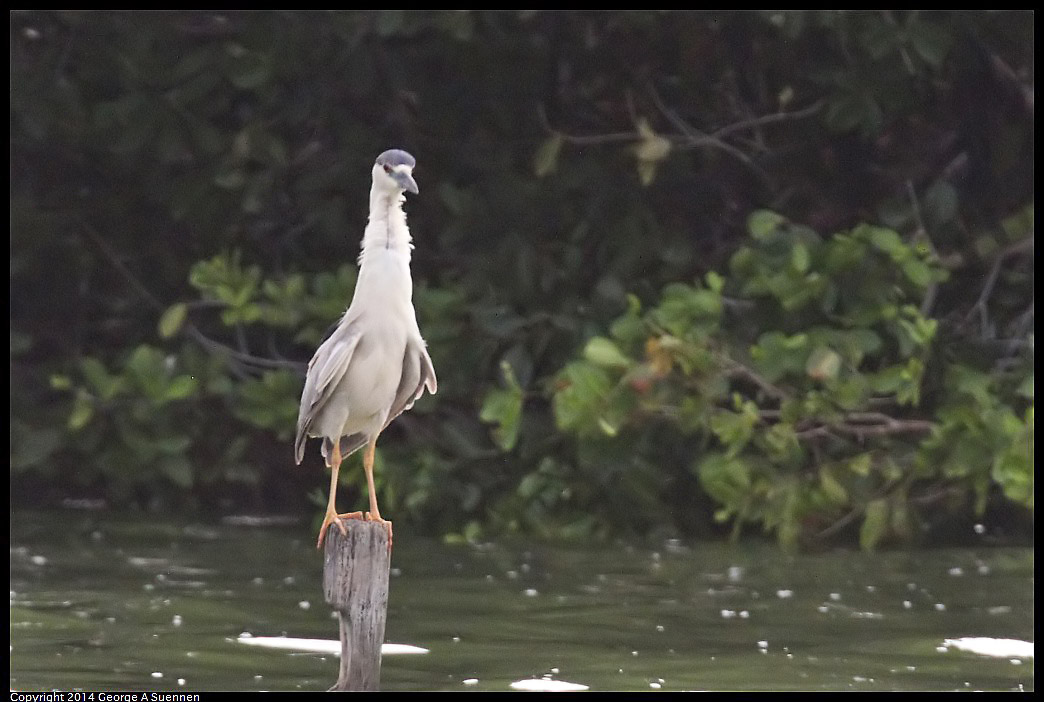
245, 359
850, 517
934, 494
756, 122
1007, 72
114, 259
696, 138
981, 304
738, 370
907, 61
1018, 328
893, 426
933, 288
239, 357
586, 140
738, 304
688, 137
861, 425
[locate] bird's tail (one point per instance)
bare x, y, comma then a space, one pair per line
349, 445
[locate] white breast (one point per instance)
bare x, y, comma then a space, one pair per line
383, 306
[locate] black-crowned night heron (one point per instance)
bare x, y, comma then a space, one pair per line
375, 364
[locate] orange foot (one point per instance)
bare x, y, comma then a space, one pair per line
334, 518
370, 517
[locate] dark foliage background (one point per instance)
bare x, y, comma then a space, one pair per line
814, 232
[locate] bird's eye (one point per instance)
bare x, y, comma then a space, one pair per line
387, 168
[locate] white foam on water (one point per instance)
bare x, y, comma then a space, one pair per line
332, 648
544, 685
998, 648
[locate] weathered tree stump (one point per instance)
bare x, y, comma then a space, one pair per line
355, 584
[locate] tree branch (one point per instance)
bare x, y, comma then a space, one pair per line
756, 122
244, 359
696, 138
981, 304
738, 370
688, 136
933, 288
861, 425
586, 140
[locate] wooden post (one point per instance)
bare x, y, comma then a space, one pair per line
355, 584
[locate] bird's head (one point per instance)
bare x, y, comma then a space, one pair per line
393, 171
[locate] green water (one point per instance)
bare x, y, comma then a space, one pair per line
101, 601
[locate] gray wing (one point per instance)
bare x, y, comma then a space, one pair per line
417, 374
325, 371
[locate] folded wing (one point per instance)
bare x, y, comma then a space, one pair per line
325, 371
417, 374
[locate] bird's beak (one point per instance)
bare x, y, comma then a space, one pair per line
406, 182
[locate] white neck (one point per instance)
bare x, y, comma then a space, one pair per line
387, 228
384, 263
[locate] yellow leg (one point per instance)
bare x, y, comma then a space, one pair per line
374, 515
368, 457
331, 511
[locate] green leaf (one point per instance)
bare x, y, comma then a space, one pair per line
181, 387
685, 309
823, 363
973, 383
763, 223
83, 410
782, 443
917, 272
146, 363
172, 320
860, 465
875, 524
777, 355
886, 240
503, 407
650, 151
888, 380
61, 382
1019, 225
546, 159
834, 490
734, 429
725, 479
174, 444
652, 148
607, 427
900, 517
580, 396
96, 374
800, 259
603, 352
866, 341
